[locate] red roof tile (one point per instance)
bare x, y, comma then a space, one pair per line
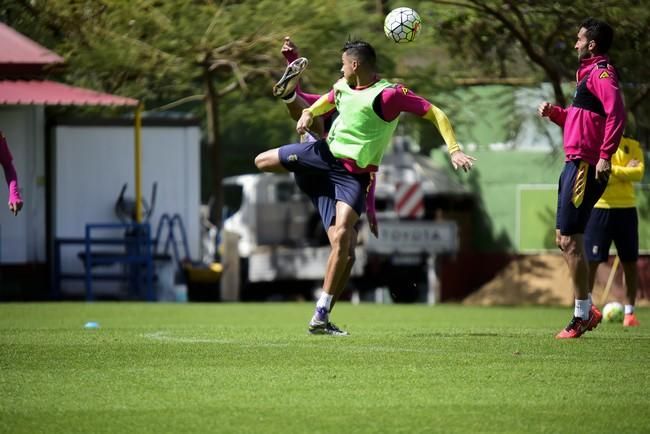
44, 92
16, 48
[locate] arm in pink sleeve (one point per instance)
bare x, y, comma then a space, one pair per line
331, 97
558, 115
398, 99
604, 84
290, 55
6, 160
309, 98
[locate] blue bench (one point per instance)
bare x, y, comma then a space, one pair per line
135, 250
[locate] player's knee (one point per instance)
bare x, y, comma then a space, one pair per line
261, 161
267, 160
341, 239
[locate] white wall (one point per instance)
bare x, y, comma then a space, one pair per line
22, 238
93, 162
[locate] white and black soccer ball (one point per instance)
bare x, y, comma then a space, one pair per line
402, 25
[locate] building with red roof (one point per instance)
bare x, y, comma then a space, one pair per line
70, 173
22, 58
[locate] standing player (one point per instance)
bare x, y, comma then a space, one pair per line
289, 91
368, 109
6, 160
614, 218
593, 126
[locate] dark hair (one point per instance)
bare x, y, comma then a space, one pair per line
362, 52
600, 32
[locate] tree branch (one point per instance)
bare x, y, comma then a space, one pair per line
520, 18
211, 26
264, 72
227, 89
530, 50
457, 4
178, 102
506, 81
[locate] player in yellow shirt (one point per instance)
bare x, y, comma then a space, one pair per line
614, 218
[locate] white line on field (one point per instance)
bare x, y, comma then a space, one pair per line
166, 337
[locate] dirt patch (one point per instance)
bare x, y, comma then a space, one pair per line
545, 280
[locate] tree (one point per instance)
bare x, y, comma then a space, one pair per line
171, 54
506, 38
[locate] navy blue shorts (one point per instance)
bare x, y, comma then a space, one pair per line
324, 179
620, 225
578, 192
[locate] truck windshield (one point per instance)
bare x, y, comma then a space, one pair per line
232, 199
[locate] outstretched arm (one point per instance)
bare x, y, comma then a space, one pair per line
398, 99
554, 112
290, 52
441, 121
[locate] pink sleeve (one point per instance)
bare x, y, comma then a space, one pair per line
603, 83
309, 98
558, 115
6, 160
331, 97
290, 56
398, 99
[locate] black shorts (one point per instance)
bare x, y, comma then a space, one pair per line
620, 225
324, 179
578, 192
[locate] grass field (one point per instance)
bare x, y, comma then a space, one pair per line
162, 368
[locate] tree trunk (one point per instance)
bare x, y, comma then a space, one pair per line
212, 117
381, 6
556, 81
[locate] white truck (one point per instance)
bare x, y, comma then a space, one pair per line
281, 240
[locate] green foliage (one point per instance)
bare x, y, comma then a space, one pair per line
533, 39
158, 51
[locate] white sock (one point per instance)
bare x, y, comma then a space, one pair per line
591, 300
582, 308
629, 309
325, 300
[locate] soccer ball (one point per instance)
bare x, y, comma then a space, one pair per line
613, 312
402, 25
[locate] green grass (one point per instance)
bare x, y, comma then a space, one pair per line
159, 368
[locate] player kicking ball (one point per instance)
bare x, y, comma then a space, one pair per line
339, 170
